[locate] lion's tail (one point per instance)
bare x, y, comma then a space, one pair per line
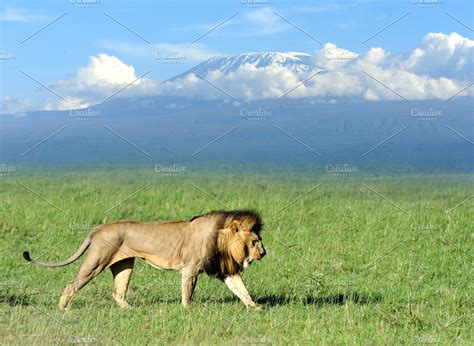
77, 254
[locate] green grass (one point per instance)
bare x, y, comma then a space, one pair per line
344, 264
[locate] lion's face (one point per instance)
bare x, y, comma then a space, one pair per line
255, 249
250, 244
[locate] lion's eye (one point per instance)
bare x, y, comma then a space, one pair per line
254, 242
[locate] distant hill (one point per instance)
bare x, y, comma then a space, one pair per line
424, 136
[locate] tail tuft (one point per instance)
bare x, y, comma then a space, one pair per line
26, 256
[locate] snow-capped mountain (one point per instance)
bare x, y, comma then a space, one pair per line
295, 61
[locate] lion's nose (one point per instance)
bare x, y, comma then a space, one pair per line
262, 253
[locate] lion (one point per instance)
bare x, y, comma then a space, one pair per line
219, 243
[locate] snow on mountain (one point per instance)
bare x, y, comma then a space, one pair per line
295, 61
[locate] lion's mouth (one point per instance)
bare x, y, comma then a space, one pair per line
248, 261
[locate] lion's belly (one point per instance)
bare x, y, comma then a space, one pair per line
162, 263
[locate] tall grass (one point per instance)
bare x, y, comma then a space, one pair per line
364, 260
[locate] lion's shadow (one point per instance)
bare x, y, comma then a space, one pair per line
321, 300
19, 299
15, 299
280, 300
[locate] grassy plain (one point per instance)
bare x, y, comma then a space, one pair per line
352, 260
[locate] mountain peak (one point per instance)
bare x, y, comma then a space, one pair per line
295, 61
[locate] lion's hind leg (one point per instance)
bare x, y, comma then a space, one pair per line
122, 272
67, 295
93, 265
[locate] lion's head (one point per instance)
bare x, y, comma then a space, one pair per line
244, 245
238, 241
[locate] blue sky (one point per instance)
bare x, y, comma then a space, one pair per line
58, 51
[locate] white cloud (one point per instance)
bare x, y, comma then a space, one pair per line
105, 69
66, 104
101, 78
13, 106
438, 68
330, 57
11, 14
441, 55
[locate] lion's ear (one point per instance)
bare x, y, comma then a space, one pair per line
247, 225
234, 226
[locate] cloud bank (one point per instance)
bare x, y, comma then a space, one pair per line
438, 68
11, 105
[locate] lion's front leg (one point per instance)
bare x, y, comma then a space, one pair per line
236, 285
188, 283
